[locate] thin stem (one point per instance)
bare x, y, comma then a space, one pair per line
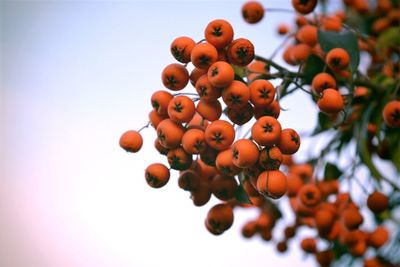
279, 47
358, 33
144, 127
280, 68
361, 185
284, 10
392, 184
178, 94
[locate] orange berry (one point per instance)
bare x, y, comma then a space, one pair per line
307, 34
289, 142
272, 109
384, 5
377, 202
181, 109
332, 23
252, 12
220, 218
301, 21
193, 141
249, 229
270, 158
324, 258
262, 92
162, 150
220, 74
287, 160
201, 195
245, 153
205, 171
156, 118
361, 6
337, 59
324, 220
378, 237
195, 74
391, 114
358, 249
352, 218
290, 231
330, 101
242, 115
204, 55
305, 171
169, 133
283, 29
175, 77
160, 100
309, 245
188, 180
255, 69
272, 183
179, 159
294, 184
281, 246
224, 187
205, 90
299, 53
322, 81
197, 122
220, 134
374, 262
236, 95
157, 175
181, 48
219, 33
266, 131
309, 195
240, 52
304, 6
209, 110
131, 141
224, 163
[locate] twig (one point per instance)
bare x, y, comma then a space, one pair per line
144, 127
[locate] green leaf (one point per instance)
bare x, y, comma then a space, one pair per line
389, 38
346, 40
242, 196
239, 71
312, 67
332, 172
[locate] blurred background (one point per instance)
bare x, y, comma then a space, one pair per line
75, 75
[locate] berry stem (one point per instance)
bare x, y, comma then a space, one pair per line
192, 94
279, 47
280, 10
144, 127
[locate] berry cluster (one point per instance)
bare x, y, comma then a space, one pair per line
200, 140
